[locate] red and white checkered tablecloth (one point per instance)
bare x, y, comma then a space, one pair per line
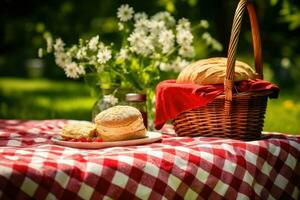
31, 167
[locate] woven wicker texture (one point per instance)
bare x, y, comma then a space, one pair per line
240, 115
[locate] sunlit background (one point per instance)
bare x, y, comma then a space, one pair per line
32, 88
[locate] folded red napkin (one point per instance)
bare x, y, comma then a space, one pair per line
173, 98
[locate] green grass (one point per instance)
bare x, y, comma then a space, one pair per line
283, 114
45, 99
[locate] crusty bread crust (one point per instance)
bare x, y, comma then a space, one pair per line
120, 123
212, 71
125, 132
127, 136
117, 116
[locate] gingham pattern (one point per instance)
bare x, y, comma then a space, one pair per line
31, 167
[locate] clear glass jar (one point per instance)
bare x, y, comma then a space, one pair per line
138, 101
110, 97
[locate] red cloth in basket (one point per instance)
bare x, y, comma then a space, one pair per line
173, 98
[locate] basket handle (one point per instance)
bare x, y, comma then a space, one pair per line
231, 55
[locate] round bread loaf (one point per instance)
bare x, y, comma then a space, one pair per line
213, 71
120, 123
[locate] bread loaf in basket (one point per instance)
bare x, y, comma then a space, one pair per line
213, 71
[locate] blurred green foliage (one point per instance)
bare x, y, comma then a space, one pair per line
289, 13
23, 22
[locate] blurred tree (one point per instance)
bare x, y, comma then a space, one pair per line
289, 12
283, 41
22, 24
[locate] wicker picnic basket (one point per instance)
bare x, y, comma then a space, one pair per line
238, 115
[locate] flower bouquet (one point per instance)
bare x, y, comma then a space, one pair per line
152, 47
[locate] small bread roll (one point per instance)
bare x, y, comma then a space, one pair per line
76, 130
120, 123
213, 71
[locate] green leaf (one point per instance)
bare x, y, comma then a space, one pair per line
133, 79
273, 2
170, 7
192, 3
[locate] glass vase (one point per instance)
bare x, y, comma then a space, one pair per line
110, 96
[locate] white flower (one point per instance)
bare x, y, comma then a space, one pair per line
81, 70
147, 47
110, 99
140, 15
120, 26
101, 45
142, 25
165, 66
166, 17
187, 51
72, 51
166, 39
167, 47
62, 59
93, 43
49, 42
204, 24
166, 35
125, 12
40, 52
123, 54
179, 64
156, 27
135, 40
183, 24
184, 37
81, 53
104, 55
140, 43
135, 37
59, 45
71, 70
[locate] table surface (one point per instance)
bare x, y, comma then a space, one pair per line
174, 168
